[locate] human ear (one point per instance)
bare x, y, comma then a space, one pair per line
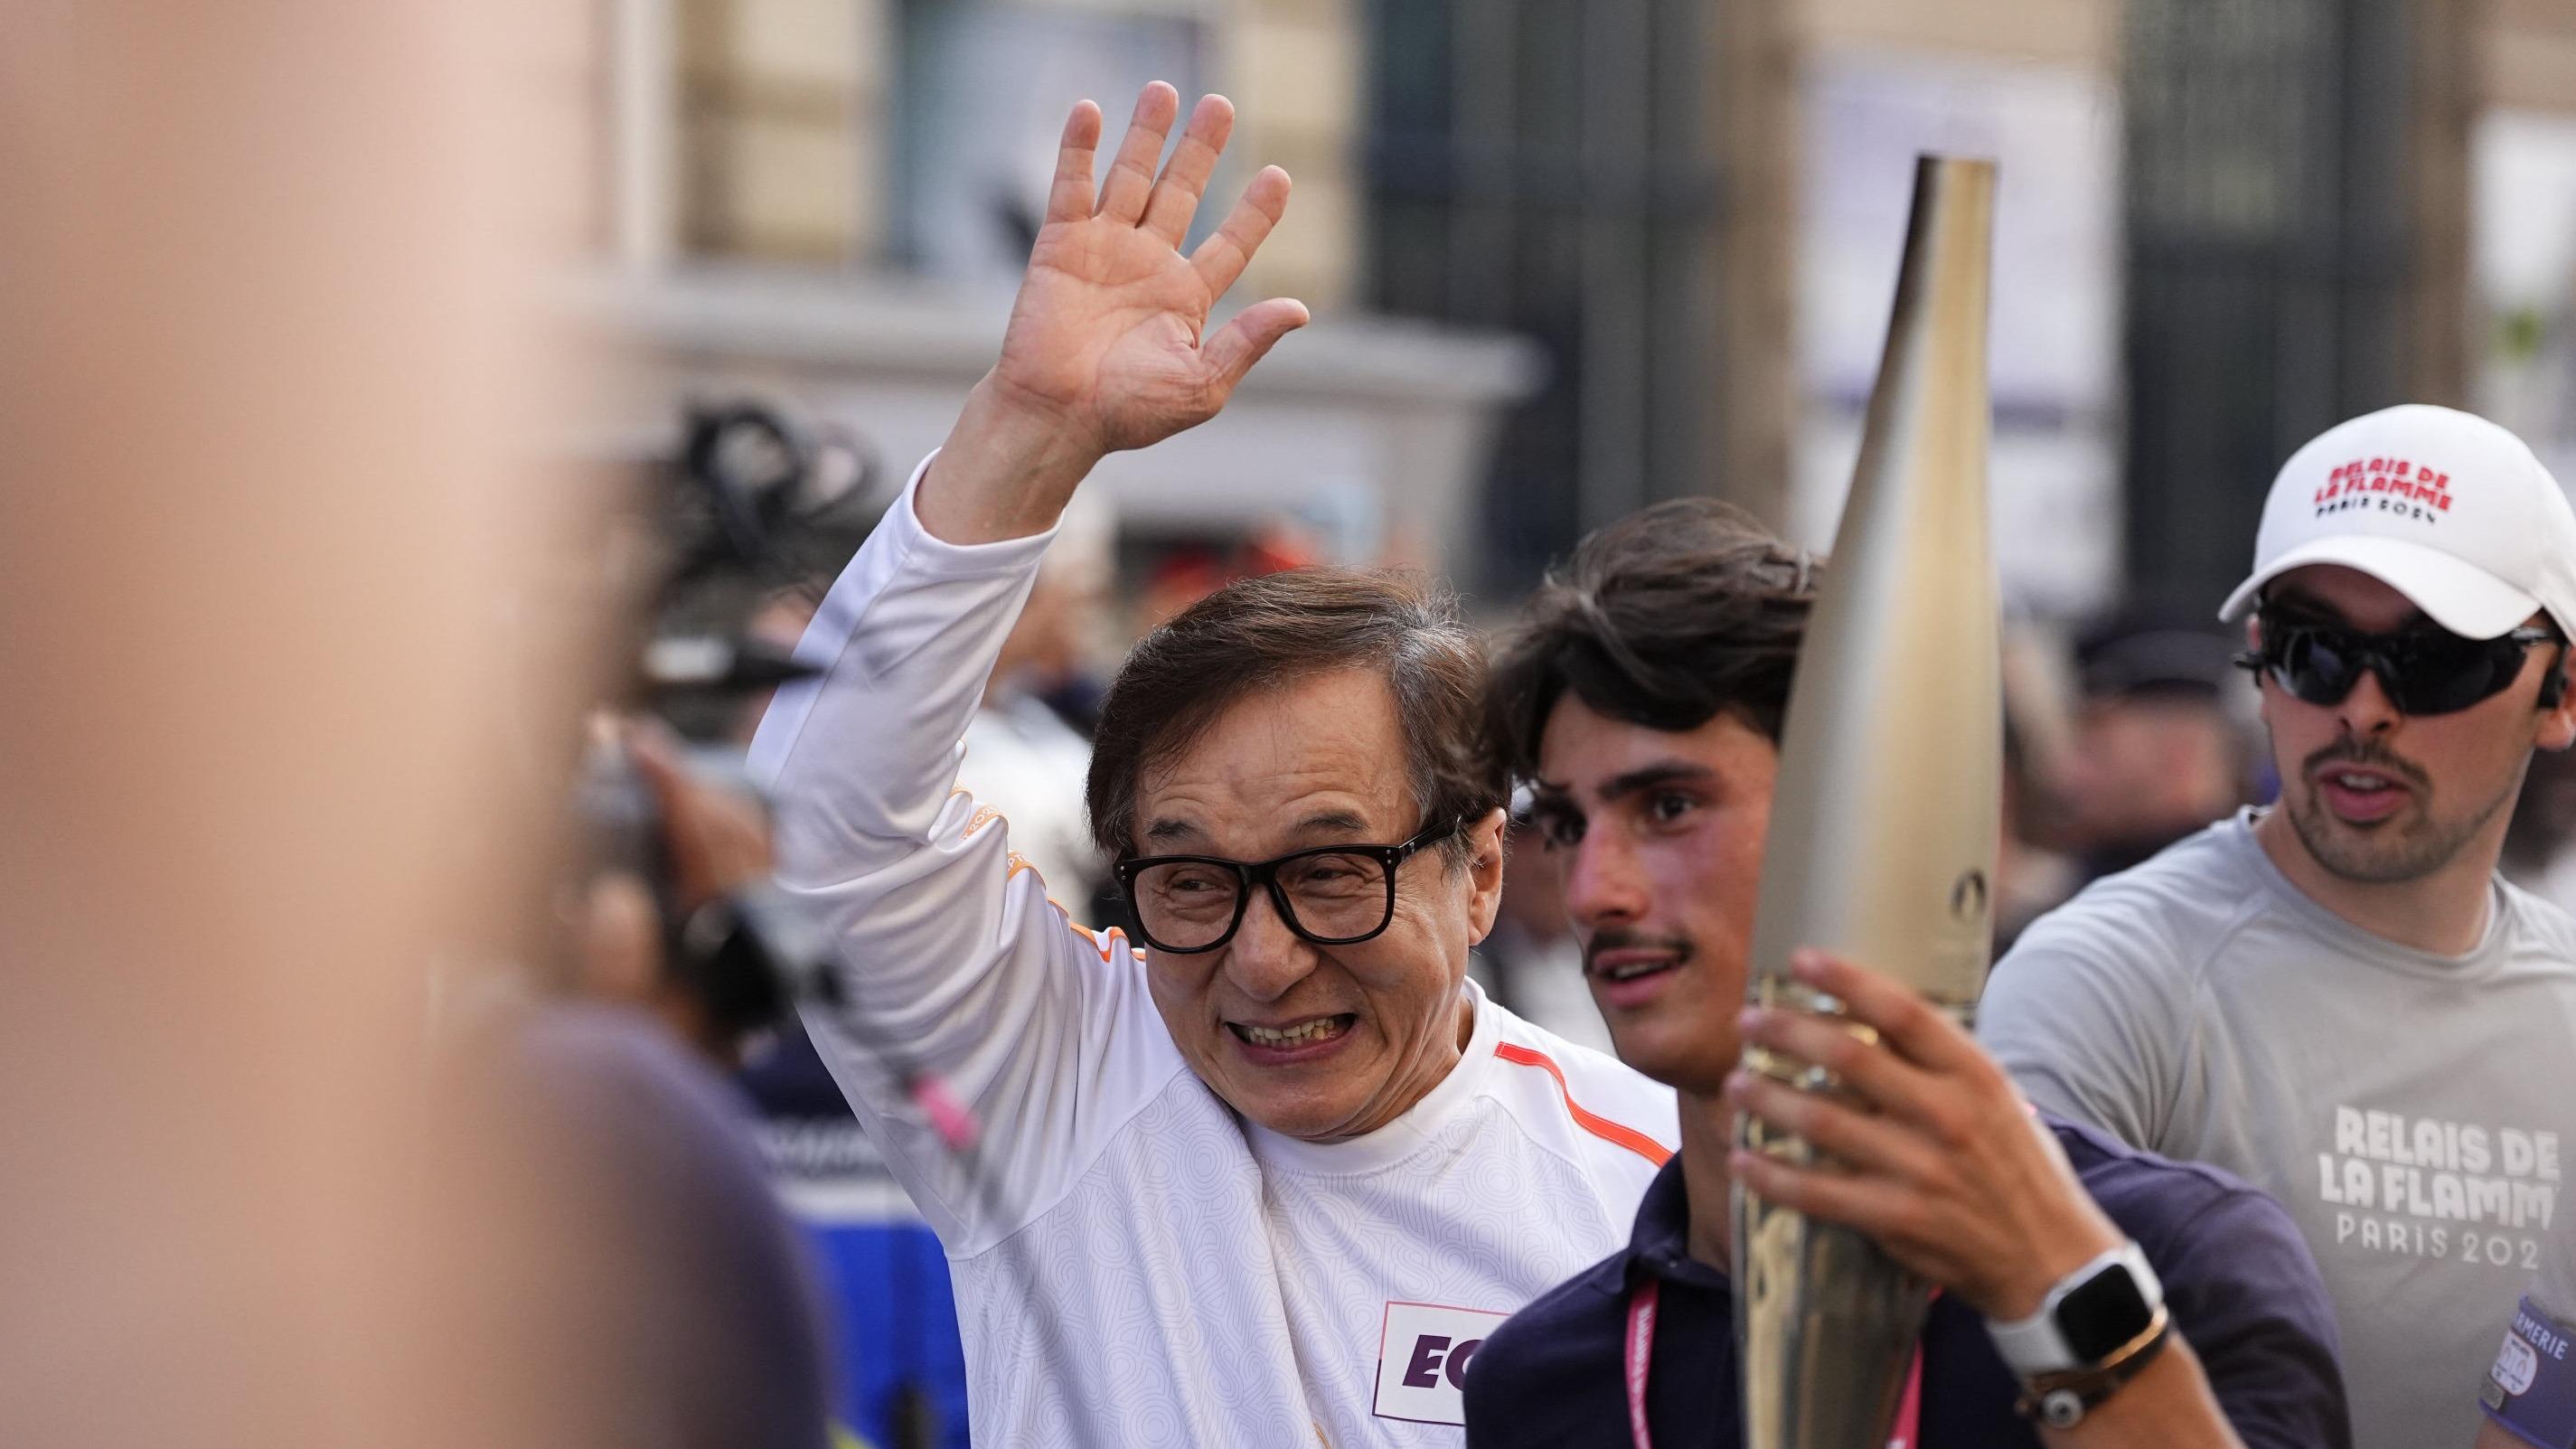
2558, 717
1484, 873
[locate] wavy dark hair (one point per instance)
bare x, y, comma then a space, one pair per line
1664, 619
1262, 633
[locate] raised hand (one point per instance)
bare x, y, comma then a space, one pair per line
1108, 345
1107, 332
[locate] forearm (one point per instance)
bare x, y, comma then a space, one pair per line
1007, 470
943, 963
2167, 1406
904, 640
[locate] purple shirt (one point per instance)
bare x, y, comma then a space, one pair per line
2238, 1280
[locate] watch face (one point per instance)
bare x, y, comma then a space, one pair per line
2106, 1312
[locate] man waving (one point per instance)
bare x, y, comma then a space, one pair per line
1266, 1171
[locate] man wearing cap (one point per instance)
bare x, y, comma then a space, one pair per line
2338, 998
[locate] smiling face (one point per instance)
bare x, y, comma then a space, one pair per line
1318, 761
2375, 796
1658, 837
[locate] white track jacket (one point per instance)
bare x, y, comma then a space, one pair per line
1135, 1265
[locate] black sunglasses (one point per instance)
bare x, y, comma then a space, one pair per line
2424, 670
1332, 895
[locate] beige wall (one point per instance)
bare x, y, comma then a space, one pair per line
2526, 49
784, 128
780, 104
1293, 69
783, 125
2063, 32
2529, 54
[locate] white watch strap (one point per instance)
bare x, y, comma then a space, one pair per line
2032, 1345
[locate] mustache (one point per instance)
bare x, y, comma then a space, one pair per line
1620, 938
2350, 751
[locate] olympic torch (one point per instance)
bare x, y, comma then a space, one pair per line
1883, 824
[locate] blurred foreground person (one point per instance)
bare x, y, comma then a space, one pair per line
2338, 997
1269, 1172
674, 1262
1643, 691
266, 364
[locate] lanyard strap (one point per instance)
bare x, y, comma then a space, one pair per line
1640, 1354
1909, 1410
1640, 1357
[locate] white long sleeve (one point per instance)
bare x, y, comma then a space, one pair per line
950, 949
1145, 1267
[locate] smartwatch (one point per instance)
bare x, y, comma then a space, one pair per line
2090, 1315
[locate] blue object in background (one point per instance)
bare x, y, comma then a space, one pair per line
901, 1378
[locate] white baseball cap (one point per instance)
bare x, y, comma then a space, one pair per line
2444, 507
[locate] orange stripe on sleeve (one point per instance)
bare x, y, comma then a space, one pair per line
1599, 1126
1101, 941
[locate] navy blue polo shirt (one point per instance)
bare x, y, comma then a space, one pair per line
2237, 1277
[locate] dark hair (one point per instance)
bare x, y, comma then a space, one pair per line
1663, 619
1262, 633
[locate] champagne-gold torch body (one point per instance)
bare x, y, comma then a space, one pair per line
1884, 819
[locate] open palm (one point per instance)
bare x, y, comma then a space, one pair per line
1109, 333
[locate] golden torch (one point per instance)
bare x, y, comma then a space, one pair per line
1883, 826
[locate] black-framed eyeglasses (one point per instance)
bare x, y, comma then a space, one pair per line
1332, 895
2425, 670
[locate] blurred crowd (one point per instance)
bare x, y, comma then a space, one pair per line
410, 1037
2125, 732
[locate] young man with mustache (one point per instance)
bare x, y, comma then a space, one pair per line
2338, 998
1643, 693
